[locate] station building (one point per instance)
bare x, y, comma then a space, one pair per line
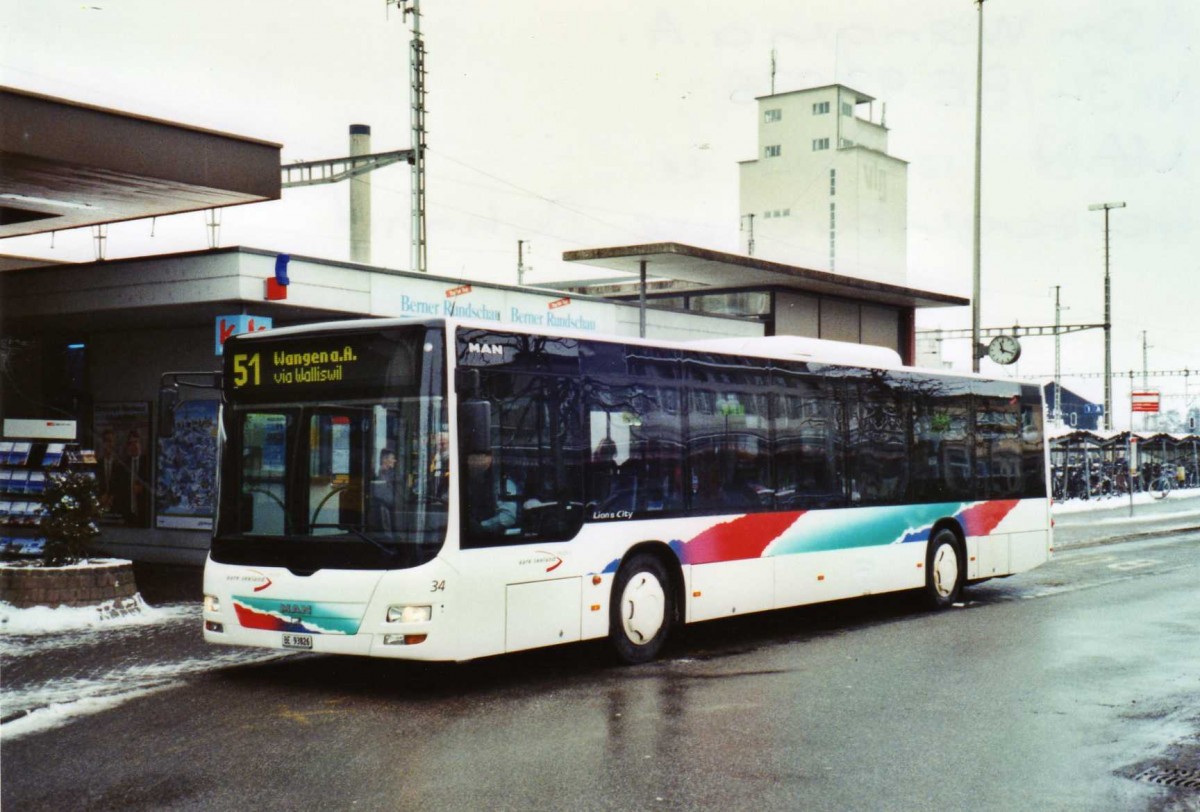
824, 192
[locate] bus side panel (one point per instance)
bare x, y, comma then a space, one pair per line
836, 574
1018, 542
988, 556
594, 608
1028, 550
731, 588
542, 613
481, 591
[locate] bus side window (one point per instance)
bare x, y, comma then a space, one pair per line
807, 438
942, 453
533, 461
635, 460
728, 433
878, 450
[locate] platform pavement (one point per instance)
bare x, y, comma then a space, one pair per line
1112, 520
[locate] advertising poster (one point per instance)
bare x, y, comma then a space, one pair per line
121, 432
187, 468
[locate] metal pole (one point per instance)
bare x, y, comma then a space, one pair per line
420, 245
1106, 207
520, 262
1057, 354
975, 277
1087, 470
1145, 377
1107, 330
1195, 460
1132, 386
1129, 466
1145, 366
642, 300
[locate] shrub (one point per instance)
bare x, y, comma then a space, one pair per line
71, 509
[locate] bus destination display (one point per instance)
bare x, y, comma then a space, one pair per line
262, 367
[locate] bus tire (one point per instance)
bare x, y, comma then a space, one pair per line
945, 572
643, 606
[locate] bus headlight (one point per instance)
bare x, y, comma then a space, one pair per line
409, 614
212, 603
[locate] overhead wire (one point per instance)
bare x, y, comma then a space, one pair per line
540, 196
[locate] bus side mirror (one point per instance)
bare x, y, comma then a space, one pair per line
467, 383
168, 399
475, 426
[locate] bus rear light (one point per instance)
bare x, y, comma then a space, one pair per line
820, 577
403, 639
596, 580
213, 626
697, 593
595, 607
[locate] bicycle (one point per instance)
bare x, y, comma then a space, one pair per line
1161, 486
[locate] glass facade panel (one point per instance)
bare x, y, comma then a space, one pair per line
747, 303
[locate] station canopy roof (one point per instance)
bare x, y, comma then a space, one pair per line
716, 269
64, 165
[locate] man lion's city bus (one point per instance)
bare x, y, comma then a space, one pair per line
446, 490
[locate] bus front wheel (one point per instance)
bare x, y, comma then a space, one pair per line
944, 569
642, 609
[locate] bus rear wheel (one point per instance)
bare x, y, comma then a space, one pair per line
642, 610
944, 570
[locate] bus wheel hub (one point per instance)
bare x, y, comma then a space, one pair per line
643, 607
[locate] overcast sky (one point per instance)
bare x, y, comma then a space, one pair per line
575, 125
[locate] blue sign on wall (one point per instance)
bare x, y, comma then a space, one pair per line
228, 326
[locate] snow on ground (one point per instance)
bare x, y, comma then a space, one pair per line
1115, 502
51, 705
51, 716
43, 631
39, 620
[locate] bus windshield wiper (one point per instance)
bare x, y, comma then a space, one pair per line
391, 551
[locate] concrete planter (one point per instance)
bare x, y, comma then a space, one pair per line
87, 584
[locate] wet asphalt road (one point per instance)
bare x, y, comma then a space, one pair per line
1050, 690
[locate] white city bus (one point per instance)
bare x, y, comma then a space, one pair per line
446, 490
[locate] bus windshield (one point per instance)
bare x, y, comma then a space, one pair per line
347, 468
